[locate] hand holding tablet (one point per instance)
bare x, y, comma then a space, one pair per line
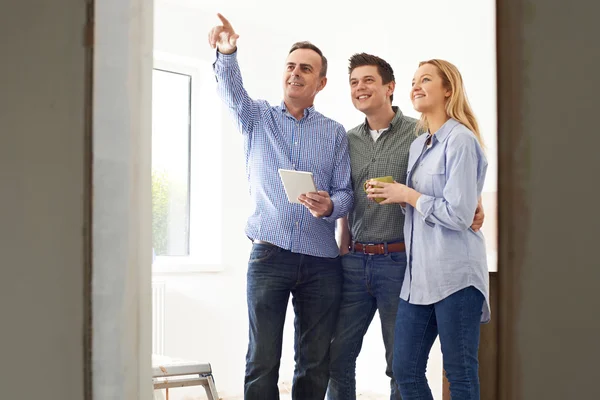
296, 183
300, 188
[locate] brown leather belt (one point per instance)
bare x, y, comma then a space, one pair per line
377, 248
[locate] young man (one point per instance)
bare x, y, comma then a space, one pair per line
371, 238
294, 248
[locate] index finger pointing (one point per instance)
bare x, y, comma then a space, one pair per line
224, 20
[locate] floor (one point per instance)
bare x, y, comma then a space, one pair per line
288, 397
198, 393
285, 396
176, 394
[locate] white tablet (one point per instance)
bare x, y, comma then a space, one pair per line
296, 183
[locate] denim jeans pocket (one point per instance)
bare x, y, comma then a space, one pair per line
399, 257
262, 252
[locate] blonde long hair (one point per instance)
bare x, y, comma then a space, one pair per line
457, 105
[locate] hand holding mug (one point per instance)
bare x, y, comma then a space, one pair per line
367, 185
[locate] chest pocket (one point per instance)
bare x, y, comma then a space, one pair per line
436, 174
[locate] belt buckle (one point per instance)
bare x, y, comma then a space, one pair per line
365, 249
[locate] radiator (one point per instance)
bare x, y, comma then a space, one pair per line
158, 317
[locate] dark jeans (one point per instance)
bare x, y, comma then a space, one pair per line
456, 319
371, 283
315, 284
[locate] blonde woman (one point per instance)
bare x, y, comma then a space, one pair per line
445, 289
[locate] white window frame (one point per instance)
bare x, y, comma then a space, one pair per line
205, 118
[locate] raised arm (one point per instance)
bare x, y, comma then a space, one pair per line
229, 78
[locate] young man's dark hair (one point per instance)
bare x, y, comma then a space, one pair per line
310, 46
383, 67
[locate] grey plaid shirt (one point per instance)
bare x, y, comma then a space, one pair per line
371, 222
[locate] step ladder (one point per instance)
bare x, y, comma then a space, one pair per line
181, 374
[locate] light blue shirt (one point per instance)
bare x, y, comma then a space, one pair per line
444, 254
274, 139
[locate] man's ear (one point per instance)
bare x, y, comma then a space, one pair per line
322, 83
391, 87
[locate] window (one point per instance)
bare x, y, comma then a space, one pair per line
186, 157
171, 128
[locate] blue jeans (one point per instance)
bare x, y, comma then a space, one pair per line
456, 319
315, 284
371, 282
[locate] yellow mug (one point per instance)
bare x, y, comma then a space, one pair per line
386, 179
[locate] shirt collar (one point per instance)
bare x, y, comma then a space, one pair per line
395, 121
307, 111
444, 131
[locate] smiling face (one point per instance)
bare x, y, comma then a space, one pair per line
367, 89
302, 78
428, 91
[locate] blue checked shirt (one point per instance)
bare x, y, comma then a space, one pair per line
444, 254
274, 139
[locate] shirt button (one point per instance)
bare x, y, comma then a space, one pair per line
294, 166
373, 160
295, 143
